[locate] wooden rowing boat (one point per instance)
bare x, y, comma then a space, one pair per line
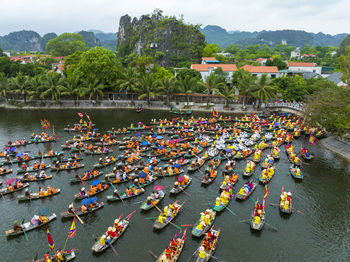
245, 196
207, 252
88, 152
207, 179
145, 206
123, 195
282, 205
195, 168
105, 164
8, 171
5, 191
64, 159
294, 173
65, 168
28, 226
76, 180
69, 255
253, 166
33, 178
267, 177
233, 178
79, 196
77, 211
178, 249
34, 196
200, 232
181, 188
222, 206
98, 247
304, 156
168, 219
257, 225
31, 169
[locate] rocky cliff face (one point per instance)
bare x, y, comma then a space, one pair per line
168, 40
22, 41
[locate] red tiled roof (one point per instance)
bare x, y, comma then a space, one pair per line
260, 69
61, 67
301, 64
260, 59
205, 67
208, 58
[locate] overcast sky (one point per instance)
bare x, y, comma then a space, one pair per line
43, 16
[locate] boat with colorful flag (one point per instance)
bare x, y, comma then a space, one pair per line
257, 220
223, 199
286, 202
203, 223
174, 249
168, 215
112, 234
207, 248
68, 255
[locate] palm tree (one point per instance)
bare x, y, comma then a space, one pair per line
264, 90
4, 85
129, 81
20, 85
92, 88
213, 83
228, 93
147, 88
36, 86
188, 84
53, 83
246, 84
168, 86
70, 86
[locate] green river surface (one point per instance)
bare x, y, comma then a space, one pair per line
322, 234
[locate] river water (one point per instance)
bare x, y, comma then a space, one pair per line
322, 234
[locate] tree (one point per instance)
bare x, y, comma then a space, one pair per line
36, 87
188, 85
292, 88
168, 86
228, 93
212, 84
147, 88
20, 85
264, 90
330, 109
210, 50
129, 81
344, 61
244, 81
4, 85
65, 44
182, 73
92, 87
277, 62
98, 63
70, 86
52, 82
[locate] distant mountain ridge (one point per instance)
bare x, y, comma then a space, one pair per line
31, 41
221, 37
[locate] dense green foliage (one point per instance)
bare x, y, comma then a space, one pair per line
344, 61
330, 108
343, 45
65, 44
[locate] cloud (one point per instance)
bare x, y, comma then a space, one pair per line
43, 16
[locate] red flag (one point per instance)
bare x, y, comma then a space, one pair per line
50, 240
215, 113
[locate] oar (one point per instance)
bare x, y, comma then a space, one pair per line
274, 228
80, 220
152, 254
36, 256
188, 225
114, 250
244, 221
298, 211
233, 213
24, 232
116, 191
81, 180
169, 221
149, 218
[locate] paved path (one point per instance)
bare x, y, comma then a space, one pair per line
338, 147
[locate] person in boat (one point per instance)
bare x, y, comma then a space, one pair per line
24, 167
82, 192
60, 255
16, 227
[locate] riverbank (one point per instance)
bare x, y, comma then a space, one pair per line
125, 104
339, 147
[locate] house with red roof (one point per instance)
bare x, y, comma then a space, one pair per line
209, 60
304, 67
206, 69
258, 71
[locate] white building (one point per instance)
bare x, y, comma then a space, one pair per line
295, 54
206, 69
258, 71
299, 68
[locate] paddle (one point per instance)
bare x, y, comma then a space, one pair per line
298, 211
24, 232
188, 225
152, 254
116, 191
114, 250
81, 180
274, 228
233, 213
169, 221
80, 220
